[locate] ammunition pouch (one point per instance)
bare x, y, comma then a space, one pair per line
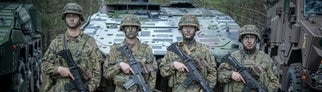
70, 87
86, 74
254, 71
119, 80
128, 84
147, 68
187, 82
246, 89
200, 63
50, 83
172, 81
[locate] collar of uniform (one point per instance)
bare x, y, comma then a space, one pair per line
76, 39
193, 45
136, 45
251, 56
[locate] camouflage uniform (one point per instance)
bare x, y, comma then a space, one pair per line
204, 60
85, 54
257, 59
141, 52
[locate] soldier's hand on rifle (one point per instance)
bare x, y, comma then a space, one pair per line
180, 66
126, 68
237, 77
63, 71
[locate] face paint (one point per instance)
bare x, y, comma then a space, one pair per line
131, 31
188, 32
249, 42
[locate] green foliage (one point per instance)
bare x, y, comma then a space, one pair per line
51, 10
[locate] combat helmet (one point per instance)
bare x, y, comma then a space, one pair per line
130, 20
73, 8
249, 29
189, 20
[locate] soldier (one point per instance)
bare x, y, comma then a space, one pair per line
83, 50
173, 67
250, 57
118, 67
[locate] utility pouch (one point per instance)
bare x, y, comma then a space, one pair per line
147, 68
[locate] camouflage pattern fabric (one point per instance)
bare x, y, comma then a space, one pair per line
143, 54
130, 20
260, 60
85, 54
73, 8
204, 61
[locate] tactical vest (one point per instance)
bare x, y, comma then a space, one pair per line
139, 55
76, 48
197, 53
257, 59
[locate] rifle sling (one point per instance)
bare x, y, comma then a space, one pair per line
185, 48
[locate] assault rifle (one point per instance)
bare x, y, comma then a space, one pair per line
249, 79
194, 74
74, 69
137, 77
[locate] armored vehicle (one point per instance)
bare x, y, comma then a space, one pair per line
20, 47
294, 40
160, 26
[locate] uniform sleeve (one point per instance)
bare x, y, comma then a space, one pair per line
111, 66
48, 66
224, 73
211, 69
166, 65
273, 82
95, 58
153, 74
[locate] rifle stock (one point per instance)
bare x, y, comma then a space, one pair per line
194, 74
251, 82
74, 69
137, 77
